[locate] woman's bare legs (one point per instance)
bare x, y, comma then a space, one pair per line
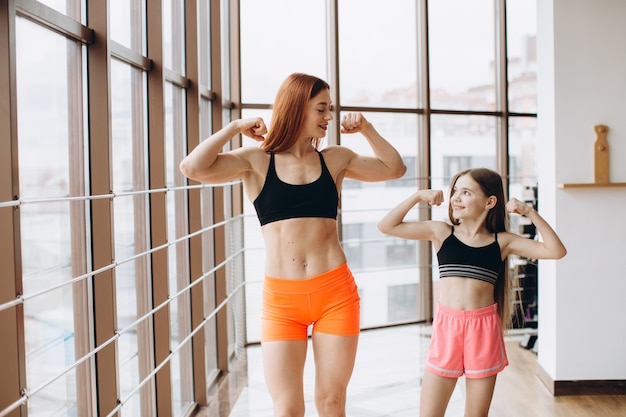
283, 366
435, 394
334, 363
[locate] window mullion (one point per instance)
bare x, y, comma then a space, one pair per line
12, 354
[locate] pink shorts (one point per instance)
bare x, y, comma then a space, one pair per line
329, 302
467, 342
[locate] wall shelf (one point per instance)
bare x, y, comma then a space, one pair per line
600, 163
592, 185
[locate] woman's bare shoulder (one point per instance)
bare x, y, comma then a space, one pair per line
253, 154
337, 151
250, 151
337, 155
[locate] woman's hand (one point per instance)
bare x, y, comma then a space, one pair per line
353, 123
254, 128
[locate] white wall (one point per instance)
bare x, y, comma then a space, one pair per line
582, 83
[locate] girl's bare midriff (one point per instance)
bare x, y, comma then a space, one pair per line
465, 293
302, 248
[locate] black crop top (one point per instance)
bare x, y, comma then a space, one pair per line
456, 259
279, 200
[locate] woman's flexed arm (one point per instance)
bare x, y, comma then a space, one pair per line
393, 222
385, 165
206, 163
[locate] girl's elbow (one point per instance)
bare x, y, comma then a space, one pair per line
558, 253
385, 228
382, 227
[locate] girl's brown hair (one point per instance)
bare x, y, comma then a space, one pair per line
289, 111
490, 183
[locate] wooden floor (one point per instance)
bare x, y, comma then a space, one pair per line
519, 392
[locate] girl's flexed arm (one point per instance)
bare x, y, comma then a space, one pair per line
393, 222
550, 247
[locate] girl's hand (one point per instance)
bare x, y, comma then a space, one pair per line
517, 207
254, 128
353, 123
432, 197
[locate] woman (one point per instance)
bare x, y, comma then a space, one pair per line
467, 337
295, 190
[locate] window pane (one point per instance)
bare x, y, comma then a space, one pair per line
378, 262
127, 23
462, 54
70, 8
208, 259
402, 302
460, 142
204, 54
208, 263
131, 232
522, 55
46, 228
174, 35
255, 252
178, 253
279, 37
523, 182
377, 47
522, 156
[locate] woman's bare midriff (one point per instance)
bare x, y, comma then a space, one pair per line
301, 248
465, 293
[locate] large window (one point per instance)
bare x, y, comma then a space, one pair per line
377, 54
118, 275
457, 95
125, 280
290, 37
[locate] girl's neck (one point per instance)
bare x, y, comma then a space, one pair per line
472, 229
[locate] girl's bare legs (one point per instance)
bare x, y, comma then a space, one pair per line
478, 395
334, 362
283, 366
435, 394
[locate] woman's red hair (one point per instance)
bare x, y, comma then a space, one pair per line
289, 110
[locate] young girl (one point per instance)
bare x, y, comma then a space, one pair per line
467, 337
295, 189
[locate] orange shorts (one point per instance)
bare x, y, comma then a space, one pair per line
467, 342
329, 302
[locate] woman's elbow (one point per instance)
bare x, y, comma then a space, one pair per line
402, 170
399, 171
187, 168
183, 166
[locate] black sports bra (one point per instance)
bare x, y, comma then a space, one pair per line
279, 200
456, 259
